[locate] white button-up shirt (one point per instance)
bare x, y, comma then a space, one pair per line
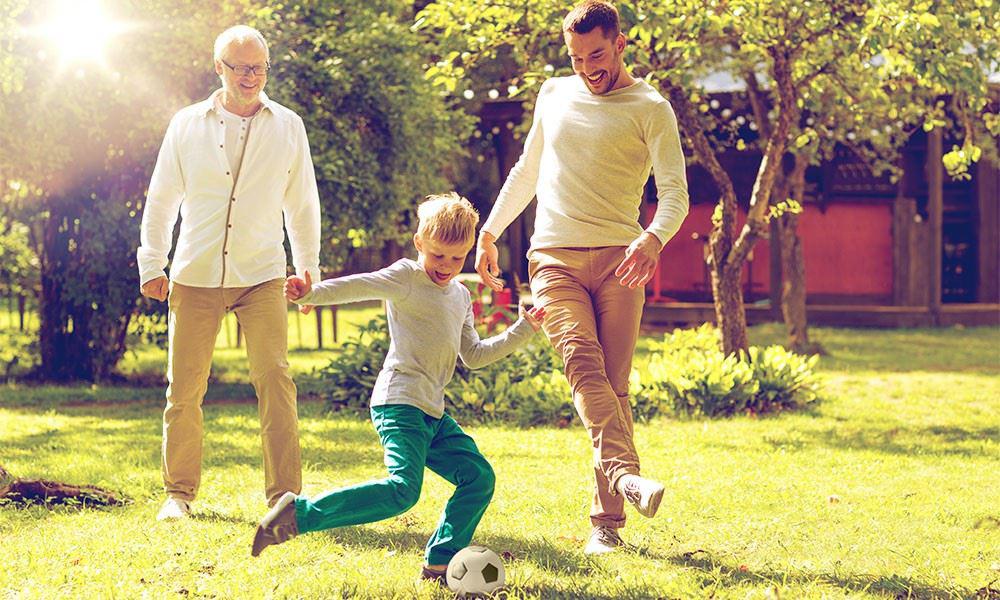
231, 236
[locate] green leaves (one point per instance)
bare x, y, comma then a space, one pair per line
382, 135
688, 374
958, 160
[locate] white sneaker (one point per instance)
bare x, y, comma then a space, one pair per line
174, 508
602, 540
644, 494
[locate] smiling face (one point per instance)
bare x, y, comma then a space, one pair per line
242, 91
441, 261
597, 59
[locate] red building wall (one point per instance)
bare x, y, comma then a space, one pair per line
847, 247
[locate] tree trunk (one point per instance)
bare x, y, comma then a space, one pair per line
793, 268
60, 331
730, 314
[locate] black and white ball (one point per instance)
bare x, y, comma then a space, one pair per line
475, 571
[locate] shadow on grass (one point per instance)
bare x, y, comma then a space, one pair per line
896, 440
715, 572
218, 517
133, 435
536, 550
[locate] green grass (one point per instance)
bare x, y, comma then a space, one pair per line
888, 489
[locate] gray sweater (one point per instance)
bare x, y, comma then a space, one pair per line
429, 327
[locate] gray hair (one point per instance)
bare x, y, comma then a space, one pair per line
241, 34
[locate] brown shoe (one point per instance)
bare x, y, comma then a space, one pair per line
438, 577
278, 525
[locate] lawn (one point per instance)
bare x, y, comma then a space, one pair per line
889, 489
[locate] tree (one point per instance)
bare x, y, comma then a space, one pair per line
382, 136
81, 138
786, 51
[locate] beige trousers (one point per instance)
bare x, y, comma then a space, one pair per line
195, 318
593, 322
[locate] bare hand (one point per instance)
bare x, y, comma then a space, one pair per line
297, 287
640, 261
156, 288
487, 262
534, 315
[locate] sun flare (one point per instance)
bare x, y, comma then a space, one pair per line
80, 31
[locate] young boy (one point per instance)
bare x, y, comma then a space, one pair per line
430, 324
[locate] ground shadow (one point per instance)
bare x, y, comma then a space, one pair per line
537, 550
717, 571
895, 440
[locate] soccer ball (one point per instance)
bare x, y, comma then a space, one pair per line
475, 571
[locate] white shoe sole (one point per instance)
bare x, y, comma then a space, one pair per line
653, 505
280, 505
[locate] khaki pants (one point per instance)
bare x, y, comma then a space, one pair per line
195, 319
593, 321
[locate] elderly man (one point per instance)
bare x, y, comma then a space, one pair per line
594, 140
237, 168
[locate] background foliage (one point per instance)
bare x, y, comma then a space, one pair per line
78, 143
684, 374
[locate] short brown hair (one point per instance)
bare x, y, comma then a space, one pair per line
447, 218
590, 14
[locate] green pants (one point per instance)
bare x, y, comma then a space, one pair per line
412, 440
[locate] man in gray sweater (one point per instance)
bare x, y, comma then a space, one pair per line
594, 139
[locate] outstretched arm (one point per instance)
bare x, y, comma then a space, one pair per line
476, 352
390, 283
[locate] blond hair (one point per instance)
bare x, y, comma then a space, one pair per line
447, 218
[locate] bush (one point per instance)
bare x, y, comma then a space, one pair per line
685, 374
688, 374
348, 380
526, 388
18, 353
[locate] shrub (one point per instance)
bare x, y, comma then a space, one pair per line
685, 374
347, 381
526, 388
18, 353
688, 374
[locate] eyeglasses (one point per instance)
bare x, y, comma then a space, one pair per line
244, 70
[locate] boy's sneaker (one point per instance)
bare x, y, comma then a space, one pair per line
644, 494
437, 577
603, 539
278, 525
173, 509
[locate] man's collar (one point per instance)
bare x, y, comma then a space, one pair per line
208, 104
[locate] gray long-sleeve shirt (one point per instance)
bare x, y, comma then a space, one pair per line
429, 327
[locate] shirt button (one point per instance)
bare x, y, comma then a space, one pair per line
230, 225
227, 172
220, 145
234, 198
225, 252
